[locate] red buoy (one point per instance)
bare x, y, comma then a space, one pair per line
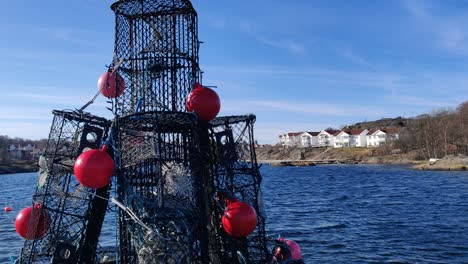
8, 209
204, 102
294, 249
239, 219
94, 168
32, 222
111, 84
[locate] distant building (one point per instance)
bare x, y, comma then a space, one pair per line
290, 139
326, 138
27, 152
341, 138
379, 137
351, 138
310, 139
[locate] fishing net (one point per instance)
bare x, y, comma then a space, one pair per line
74, 213
157, 45
159, 184
237, 174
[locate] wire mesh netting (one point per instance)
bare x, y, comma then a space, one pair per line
74, 213
237, 174
157, 43
159, 183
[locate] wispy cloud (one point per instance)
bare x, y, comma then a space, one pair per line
67, 34
319, 108
448, 33
410, 100
311, 107
352, 56
20, 128
263, 34
290, 45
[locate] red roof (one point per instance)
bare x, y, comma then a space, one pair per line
353, 131
332, 132
391, 130
313, 133
388, 130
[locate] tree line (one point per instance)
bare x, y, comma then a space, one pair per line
6, 142
436, 135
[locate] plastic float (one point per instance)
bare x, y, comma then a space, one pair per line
182, 184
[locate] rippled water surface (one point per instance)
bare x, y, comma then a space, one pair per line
338, 214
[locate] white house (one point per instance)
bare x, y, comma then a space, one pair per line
351, 138
341, 140
290, 139
378, 137
310, 139
326, 138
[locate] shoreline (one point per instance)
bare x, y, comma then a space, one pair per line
293, 156
18, 167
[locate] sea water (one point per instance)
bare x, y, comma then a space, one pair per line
337, 213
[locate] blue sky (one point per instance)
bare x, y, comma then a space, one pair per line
298, 65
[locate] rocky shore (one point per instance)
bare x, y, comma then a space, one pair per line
450, 163
292, 156
18, 167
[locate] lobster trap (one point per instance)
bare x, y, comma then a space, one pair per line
237, 174
74, 213
160, 184
156, 46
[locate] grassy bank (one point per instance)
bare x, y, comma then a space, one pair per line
352, 155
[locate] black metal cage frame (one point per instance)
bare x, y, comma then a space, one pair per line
75, 212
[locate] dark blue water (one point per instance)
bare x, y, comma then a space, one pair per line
338, 214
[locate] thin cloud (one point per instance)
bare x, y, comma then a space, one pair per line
290, 45
420, 101
352, 56
262, 35
311, 107
72, 35
449, 33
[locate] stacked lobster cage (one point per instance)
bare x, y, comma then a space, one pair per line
156, 50
156, 47
66, 217
237, 178
160, 182
187, 184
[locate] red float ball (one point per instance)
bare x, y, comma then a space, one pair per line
295, 250
204, 102
8, 209
32, 222
239, 219
94, 168
111, 84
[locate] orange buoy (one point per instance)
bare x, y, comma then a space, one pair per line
32, 222
111, 84
239, 219
204, 102
294, 249
94, 168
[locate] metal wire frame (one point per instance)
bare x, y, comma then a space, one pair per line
237, 172
157, 42
161, 170
75, 212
